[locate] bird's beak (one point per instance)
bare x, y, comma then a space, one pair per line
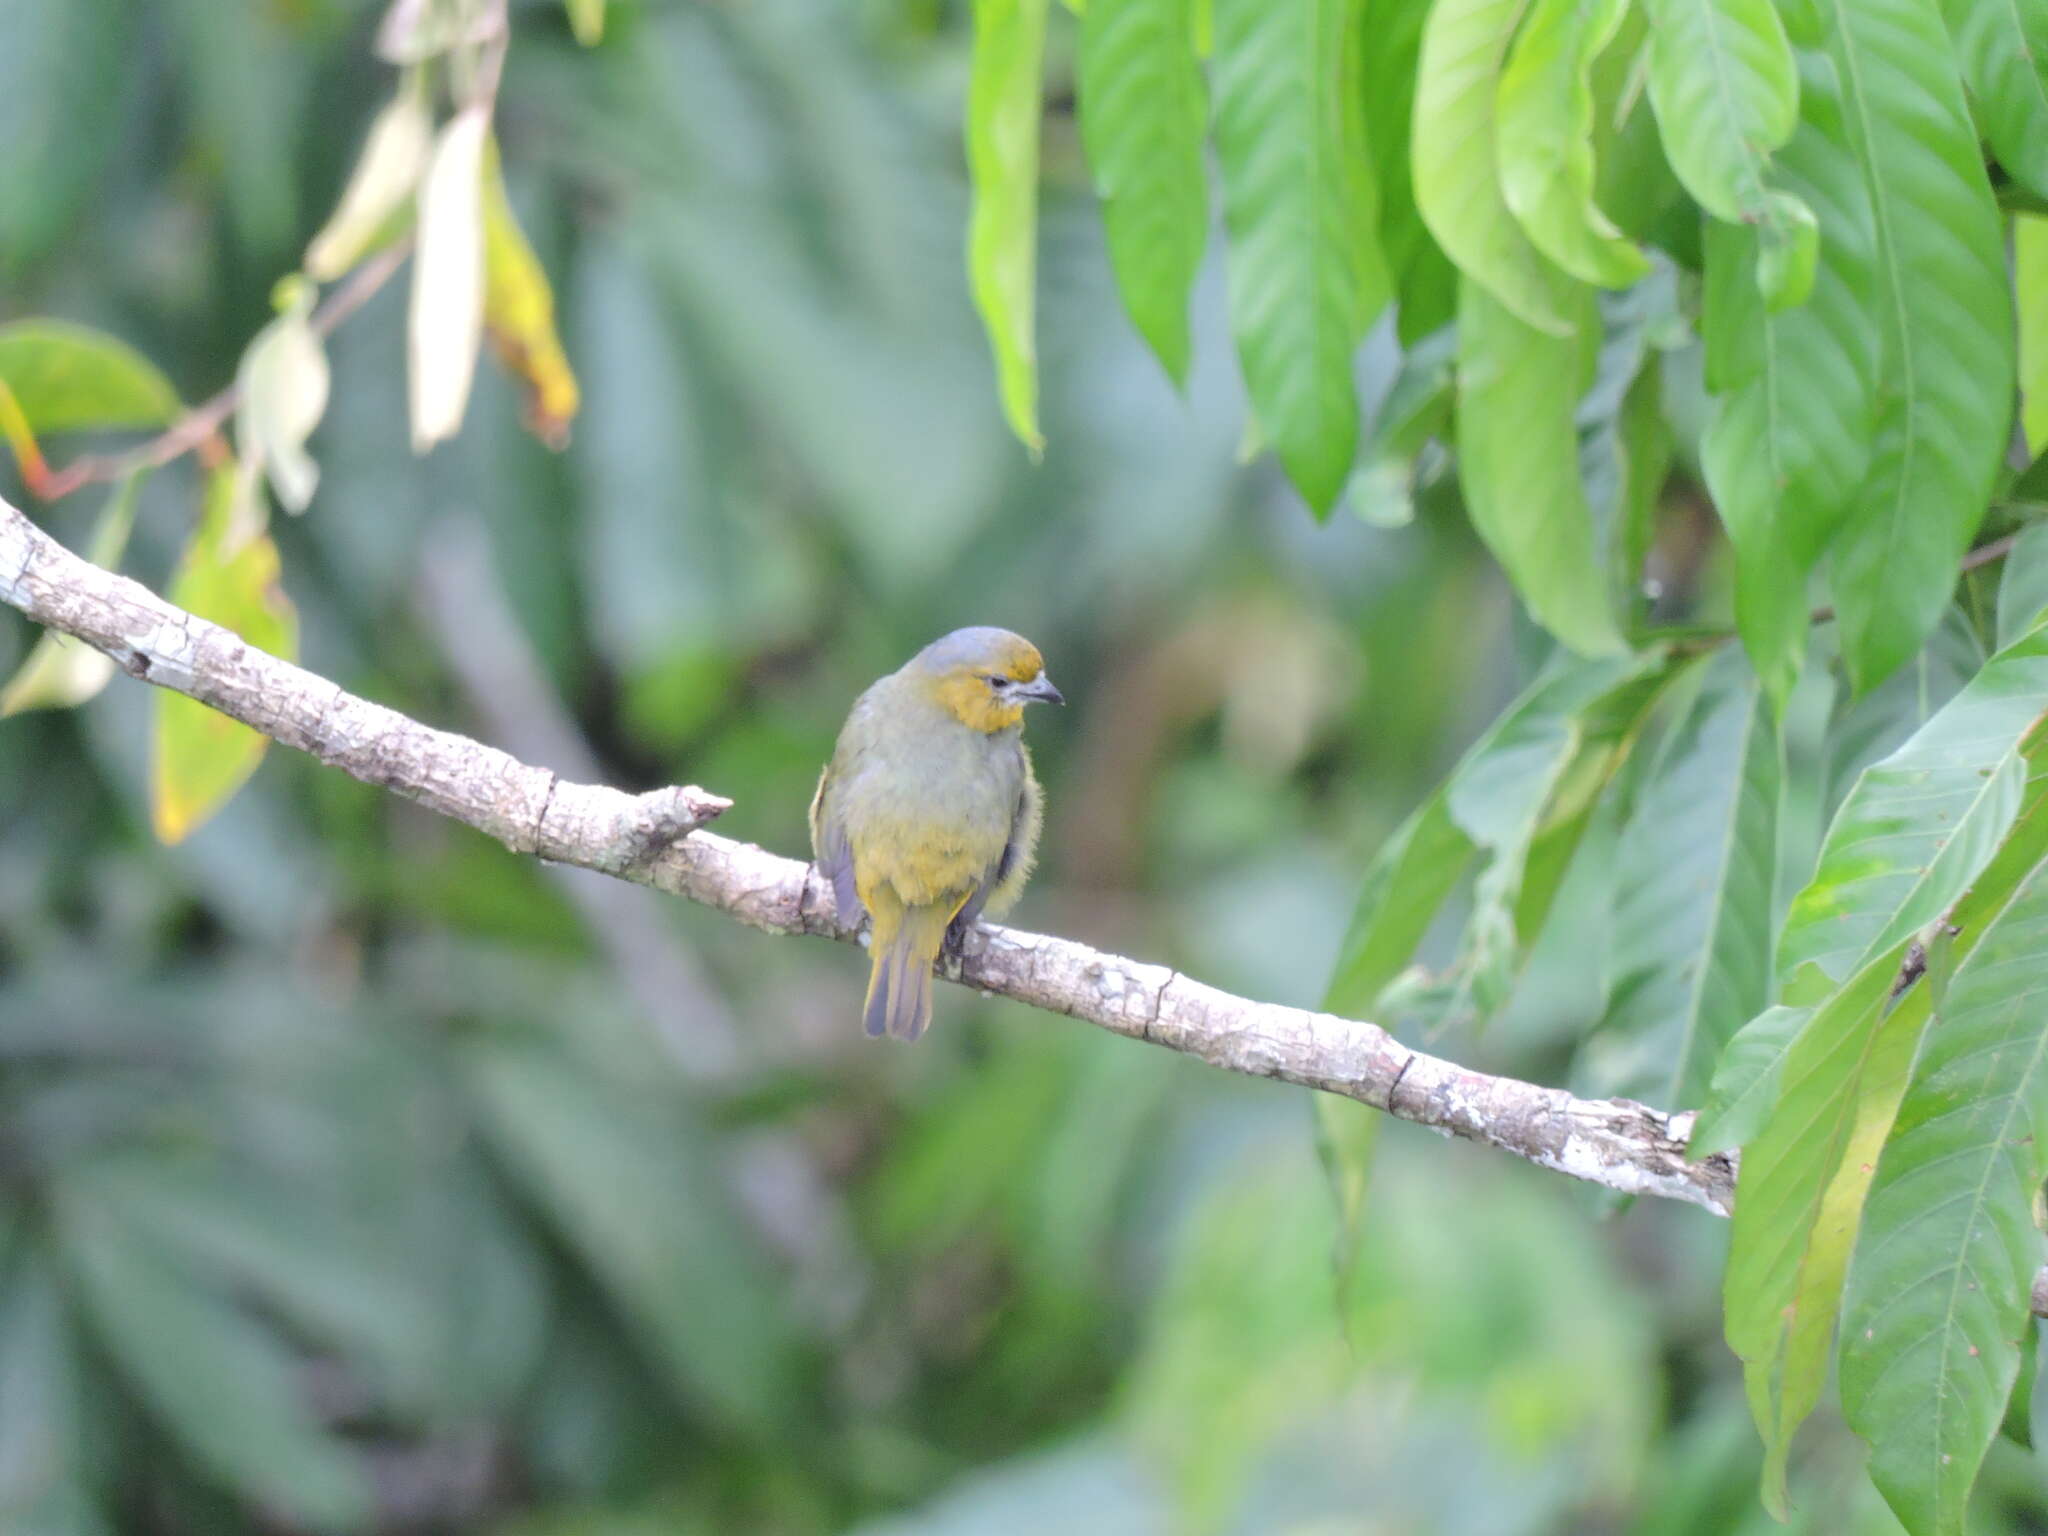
1040, 690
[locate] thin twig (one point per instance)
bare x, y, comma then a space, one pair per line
202, 423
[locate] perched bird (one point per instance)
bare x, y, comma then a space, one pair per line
928, 814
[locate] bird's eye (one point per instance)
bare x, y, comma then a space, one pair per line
997, 681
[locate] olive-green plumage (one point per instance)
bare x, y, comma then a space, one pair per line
928, 814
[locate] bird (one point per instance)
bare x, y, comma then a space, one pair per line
928, 814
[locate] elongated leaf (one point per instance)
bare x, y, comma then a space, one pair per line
41, 1417
1692, 901
200, 757
2030, 278
1518, 459
1726, 92
1546, 139
1456, 173
70, 378
1425, 282
1937, 1309
60, 672
1405, 887
1918, 826
283, 381
386, 175
586, 19
1946, 322
519, 315
1790, 438
1745, 1085
1799, 1191
1002, 231
632, 1189
1143, 119
216, 1381
445, 320
1306, 278
2023, 585
2002, 46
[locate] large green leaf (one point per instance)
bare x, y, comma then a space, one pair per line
2002, 46
41, 1416
1546, 140
1945, 317
216, 1380
1405, 887
70, 378
1425, 282
1799, 1191
1796, 390
2030, 280
1306, 277
1938, 1301
1692, 903
1918, 826
1745, 1085
1143, 117
1456, 172
633, 1188
1725, 90
1518, 459
1002, 231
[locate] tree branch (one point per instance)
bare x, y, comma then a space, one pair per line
654, 839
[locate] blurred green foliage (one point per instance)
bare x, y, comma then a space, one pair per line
347, 1183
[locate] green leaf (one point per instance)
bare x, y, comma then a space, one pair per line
1546, 140
1002, 230
60, 672
1918, 826
62, 67
1789, 441
41, 1416
1745, 1086
1518, 460
1416, 410
1143, 119
1725, 89
1405, 886
216, 1381
1798, 1194
586, 20
1691, 961
1456, 175
71, 378
1946, 322
630, 1183
2023, 584
1425, 282
2018, 1424
1937, 1310
2002, 46
1306, 278
2030, 280
199, 757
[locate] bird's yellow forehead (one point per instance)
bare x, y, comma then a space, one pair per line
1018, 660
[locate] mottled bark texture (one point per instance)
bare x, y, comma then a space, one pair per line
654, 839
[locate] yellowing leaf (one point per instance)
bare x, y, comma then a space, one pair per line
283, 380
199, 756
61, 672
519, 315
446, 320
1002, 231
394, 154
2030, 276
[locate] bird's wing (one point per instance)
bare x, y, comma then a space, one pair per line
1013, 865
834, 853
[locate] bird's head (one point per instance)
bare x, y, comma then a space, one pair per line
984, 677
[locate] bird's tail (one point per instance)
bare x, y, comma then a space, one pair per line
905, 943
